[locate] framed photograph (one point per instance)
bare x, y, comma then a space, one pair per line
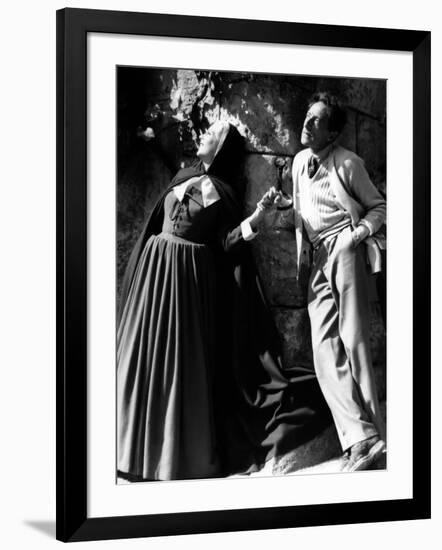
231, 352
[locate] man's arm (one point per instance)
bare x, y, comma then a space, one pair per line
365, 192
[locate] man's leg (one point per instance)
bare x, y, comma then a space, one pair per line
347, 273
332, 362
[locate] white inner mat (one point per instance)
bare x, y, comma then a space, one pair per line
105, 497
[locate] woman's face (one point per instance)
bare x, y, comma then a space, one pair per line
209, 142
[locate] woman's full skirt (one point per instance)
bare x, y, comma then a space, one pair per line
165, 418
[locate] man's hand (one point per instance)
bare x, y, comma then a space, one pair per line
359, 234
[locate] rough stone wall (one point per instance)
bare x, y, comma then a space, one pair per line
178, 105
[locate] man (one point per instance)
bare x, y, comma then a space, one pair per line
340, 211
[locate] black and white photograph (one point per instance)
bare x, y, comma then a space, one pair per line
251, 259
220, 266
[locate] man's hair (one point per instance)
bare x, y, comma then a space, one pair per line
337, 116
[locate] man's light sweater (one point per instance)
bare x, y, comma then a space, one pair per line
322, 214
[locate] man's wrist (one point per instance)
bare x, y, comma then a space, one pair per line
368, 225
360, 233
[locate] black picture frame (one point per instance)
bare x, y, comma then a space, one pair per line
73, 25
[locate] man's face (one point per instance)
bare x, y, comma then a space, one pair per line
315, 133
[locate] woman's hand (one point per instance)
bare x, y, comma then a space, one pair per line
264, 205
268, 199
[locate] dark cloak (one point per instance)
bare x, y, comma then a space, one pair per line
261, 409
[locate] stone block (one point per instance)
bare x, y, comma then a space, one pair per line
294, 327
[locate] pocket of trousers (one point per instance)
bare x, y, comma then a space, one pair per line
347, 240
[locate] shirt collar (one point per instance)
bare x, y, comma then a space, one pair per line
208, 192
323, 153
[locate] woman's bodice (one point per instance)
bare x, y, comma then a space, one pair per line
189, 218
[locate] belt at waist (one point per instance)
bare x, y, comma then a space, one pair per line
328, 238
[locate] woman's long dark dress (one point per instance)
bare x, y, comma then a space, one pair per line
165, 348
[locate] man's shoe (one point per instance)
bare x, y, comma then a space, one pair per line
363, 454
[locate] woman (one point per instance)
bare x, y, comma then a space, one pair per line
166, 352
